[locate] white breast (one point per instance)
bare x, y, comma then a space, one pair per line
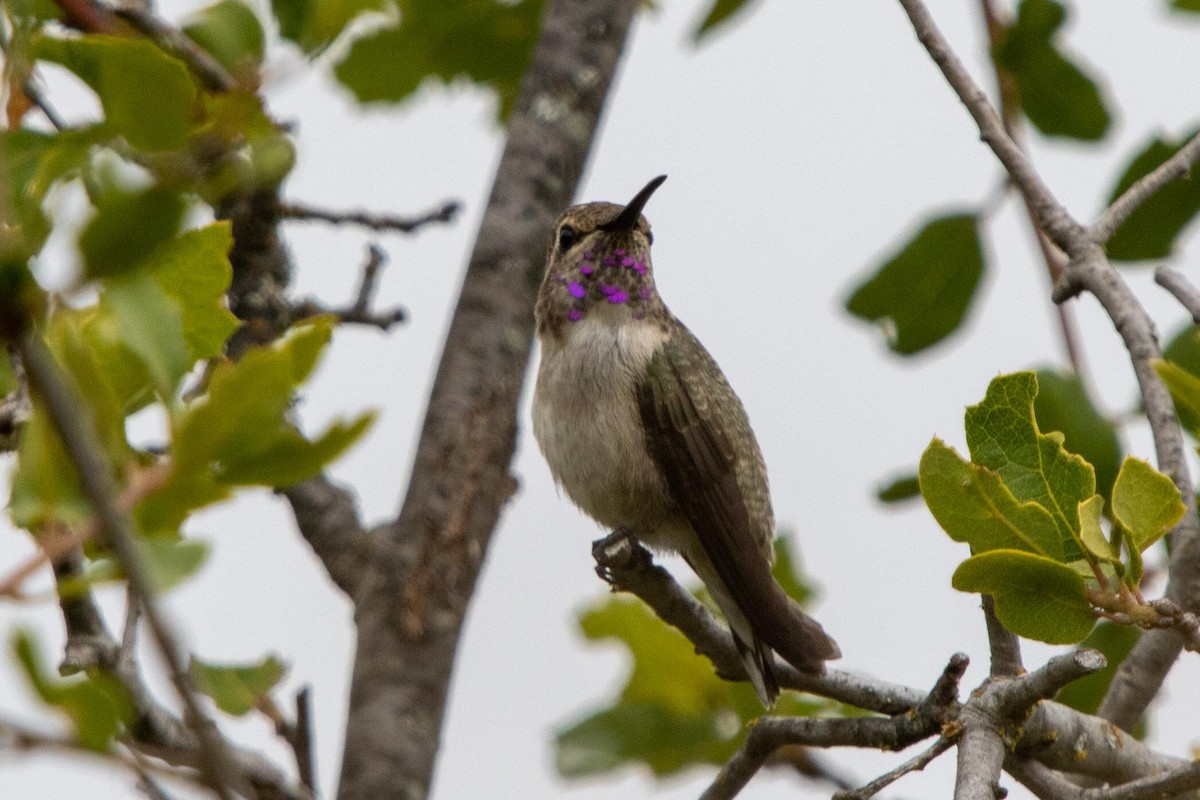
586, 419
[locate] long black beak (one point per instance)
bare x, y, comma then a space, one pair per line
627, 220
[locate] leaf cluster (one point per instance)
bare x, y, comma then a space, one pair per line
1044, 543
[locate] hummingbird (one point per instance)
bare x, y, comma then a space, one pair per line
645, 435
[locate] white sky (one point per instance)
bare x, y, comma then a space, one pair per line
802, 144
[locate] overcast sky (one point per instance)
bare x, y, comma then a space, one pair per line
802, 143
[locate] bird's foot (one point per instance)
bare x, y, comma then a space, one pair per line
615, 551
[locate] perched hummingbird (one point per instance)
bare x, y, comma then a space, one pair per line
646, 436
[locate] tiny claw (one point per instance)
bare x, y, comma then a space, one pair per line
614, 550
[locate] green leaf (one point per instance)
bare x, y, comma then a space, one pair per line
151, 327
237, 689
1003, 436
194, 270
239, 429
718, 15
314, 24
45, 485
33, 164
171, 560
973, 505
662, 739
98, 706
1035, 597
657, 650
1145, 502
1192, 6
1062, 404
128, 228
1115, 642
148, 96
486, 42
1185, 391
901, 488
921, 294
1152, 229
291, 458
1092, 534
1183, 350
231, 33
1058, 97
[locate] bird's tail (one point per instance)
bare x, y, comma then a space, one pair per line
780, 626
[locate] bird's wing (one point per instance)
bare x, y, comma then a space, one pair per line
700, 463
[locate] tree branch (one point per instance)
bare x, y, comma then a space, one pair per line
444, 213
1005, 646
768, 734
1051, 216
426, 564
81, 446
1178, 285
914, 764
629, 567
1142, 672
1174, 168
177, 43
328, 520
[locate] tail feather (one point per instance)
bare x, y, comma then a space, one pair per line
798, 638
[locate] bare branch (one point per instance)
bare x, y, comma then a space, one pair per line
629, 567
1155, 787
1177, 284
302, 741
360, 311
914, 764
1051, 216
80, 444
767, 734
1005, 646
1018, 694
1142, 672
1174, 168
426, 564
1042, 781
444, 213
1065, 740
1011, 116
174, 41
328, 520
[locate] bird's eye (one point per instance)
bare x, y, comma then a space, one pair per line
649, 237
567, 237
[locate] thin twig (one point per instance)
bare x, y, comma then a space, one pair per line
1051, 216
79, 441
302, 743
915, 764
1177, 284
767, 734
1011, 116
376, 222
1174, 168
58, 541
174, 41
359, 312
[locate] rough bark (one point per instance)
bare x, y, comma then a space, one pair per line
423, 568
